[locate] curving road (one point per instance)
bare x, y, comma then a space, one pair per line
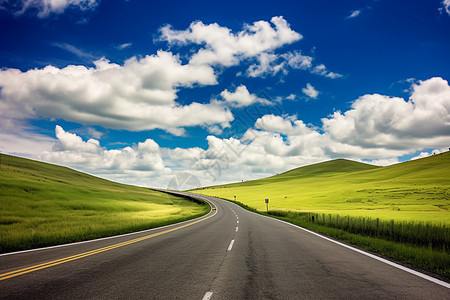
230, 253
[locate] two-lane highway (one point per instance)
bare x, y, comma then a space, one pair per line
230, 253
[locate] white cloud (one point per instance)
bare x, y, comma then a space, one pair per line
94, 133
71, 150
377, 121
267, 65
446, 6
24, 143
323, 71
242, 97
44, 8
138, 95
310, 91
376, 128
297, 60
124, 46
421, 155
383, 162
291, 97
257, 42
288, 125
354, 14
426, 154
222, 47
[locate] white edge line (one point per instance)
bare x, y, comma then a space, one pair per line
105, 238
388, 262
231, 245
207, 296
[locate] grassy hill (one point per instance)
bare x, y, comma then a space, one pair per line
415, 190
43, 204
400, 211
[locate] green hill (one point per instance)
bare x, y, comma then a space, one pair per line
328, 168
414, 190
43, 204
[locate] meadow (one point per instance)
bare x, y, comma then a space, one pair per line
43, 204
400, 211
416, 190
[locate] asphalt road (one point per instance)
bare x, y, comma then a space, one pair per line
228, 254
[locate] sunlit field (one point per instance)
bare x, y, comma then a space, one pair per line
400, 211
43, 204
412, 191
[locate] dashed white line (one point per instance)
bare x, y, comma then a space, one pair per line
237, 229
237, 221
207, 296
231, 245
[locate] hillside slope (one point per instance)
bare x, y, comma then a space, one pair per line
413, 190
43, 204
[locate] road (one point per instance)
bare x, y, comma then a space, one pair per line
230, 253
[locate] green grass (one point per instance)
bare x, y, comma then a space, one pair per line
400, 211
43, 204
416, 190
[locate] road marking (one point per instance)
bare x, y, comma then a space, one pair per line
237, 221
388, 262
96, 251
231, 245
237, 229
207, 296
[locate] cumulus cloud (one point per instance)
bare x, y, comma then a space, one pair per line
445, 6
272, 64
310, 91
278, 143
223, 47
323, 71
141, 93
257, 41
138, 95
268, 64
376, 129
291, 97
71, 150
384, 161
242, 97
45, 8
297, 60
377, 121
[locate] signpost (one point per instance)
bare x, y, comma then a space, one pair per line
267, 205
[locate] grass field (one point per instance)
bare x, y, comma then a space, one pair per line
400, 211
43, 204
417, 190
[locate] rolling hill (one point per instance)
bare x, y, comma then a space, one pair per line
43, 204
415, 190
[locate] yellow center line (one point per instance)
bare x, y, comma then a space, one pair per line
92, 252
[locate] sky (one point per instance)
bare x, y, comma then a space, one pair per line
181, 94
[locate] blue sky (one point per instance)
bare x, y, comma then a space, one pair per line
143, 92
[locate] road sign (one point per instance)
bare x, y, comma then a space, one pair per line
267, 205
